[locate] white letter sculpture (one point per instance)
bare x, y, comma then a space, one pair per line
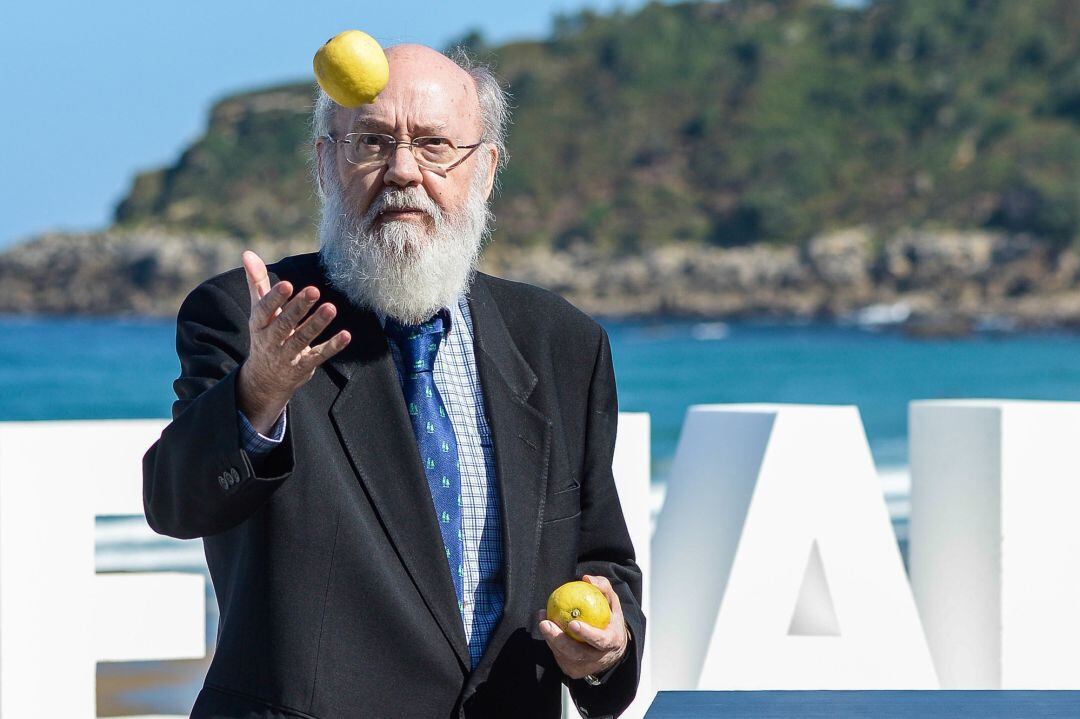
57, 616
994, 541
775, 563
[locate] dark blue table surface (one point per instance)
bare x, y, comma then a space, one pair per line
934, 704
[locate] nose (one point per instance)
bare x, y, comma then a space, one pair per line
401, 168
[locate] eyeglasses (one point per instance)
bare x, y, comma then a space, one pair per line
372, 149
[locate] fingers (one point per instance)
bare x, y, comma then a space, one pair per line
322, 352
602, 583
602, 639
332, 347
294, 311
257, 278
265, 309
303, 335
549, 629
563, 645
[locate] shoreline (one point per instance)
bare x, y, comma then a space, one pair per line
712, 326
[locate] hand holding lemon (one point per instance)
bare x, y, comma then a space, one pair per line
351, 68
578, 600
583, 626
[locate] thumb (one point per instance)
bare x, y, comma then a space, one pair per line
258, 279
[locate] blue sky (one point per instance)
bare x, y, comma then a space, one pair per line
96, 91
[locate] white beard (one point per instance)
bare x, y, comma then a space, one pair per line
405, 269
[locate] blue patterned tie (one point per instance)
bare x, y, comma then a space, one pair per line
434, 434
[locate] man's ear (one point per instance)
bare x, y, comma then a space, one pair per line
320, 146
491, 171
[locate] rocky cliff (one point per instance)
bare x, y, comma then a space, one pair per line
951, 280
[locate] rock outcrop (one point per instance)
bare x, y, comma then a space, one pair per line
937, 281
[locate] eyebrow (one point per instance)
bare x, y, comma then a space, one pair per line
375, 124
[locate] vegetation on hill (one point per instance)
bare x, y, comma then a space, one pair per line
720, 124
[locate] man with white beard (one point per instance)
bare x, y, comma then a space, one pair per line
389, 485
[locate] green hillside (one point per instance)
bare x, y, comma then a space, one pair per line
720, 123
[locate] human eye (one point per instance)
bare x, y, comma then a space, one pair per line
438, 150
373, 140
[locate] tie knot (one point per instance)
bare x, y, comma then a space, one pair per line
418, 343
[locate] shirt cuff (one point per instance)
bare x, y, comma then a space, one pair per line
259, 444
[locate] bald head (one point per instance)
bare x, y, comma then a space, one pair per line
427, 94
411, 57
468, 94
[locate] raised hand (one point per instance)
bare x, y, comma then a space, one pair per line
279, 359
602, 648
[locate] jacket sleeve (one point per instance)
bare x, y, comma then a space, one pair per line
197, 477
605, 547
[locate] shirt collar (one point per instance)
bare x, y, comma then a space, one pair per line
445, 311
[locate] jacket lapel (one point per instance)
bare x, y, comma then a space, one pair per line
522, 437
373, 424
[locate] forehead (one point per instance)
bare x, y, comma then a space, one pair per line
422, 97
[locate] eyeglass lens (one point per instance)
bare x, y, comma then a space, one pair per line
368, 148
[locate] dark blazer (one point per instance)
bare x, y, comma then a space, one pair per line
335, 597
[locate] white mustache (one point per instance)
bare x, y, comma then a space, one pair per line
405, 199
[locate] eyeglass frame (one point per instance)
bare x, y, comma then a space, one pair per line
411, 143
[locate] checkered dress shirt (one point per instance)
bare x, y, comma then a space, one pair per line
459, 385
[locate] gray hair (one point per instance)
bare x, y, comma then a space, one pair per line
494, 111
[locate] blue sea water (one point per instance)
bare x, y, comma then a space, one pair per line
86, 368
94, 368
662, 367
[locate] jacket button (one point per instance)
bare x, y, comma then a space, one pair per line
222, 482
235, 475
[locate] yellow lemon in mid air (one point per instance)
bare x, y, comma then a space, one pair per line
578, 600
351, 68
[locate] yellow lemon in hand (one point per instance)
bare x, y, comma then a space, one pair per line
352, 68
578, 600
